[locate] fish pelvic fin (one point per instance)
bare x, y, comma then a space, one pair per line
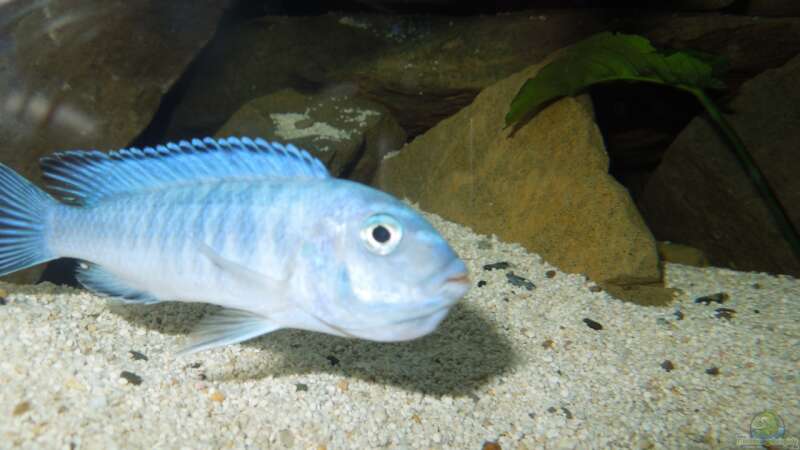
225, 327
23, 213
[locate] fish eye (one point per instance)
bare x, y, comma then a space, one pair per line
381, 234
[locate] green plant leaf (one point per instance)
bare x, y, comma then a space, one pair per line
608, 57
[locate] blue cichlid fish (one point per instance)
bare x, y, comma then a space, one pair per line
259, 228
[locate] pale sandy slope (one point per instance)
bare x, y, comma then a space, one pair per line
510, 365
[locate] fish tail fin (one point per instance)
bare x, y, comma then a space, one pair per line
23, 213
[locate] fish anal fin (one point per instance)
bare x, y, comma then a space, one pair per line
101, 281
225, 327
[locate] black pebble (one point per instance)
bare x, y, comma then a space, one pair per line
678, 314
719, 297
481, 283
3, 301
497, 266
550, 273
517, 280
551, 409
592, 324
137, 356
301, 387
713, 371
667, 365
333, 360
195, 365
131, 377
724, 313
567, 412
756, 311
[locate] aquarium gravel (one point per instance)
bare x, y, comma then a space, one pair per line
533, 358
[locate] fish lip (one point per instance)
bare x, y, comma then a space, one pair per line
455, 272
460, 278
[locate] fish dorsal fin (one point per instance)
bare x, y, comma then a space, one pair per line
84, 177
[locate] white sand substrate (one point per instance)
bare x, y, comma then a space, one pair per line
510, 365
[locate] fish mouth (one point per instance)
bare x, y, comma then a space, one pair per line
451, 290
442, 291
461, 278
454, 272
455, 283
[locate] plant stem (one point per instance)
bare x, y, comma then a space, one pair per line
747, 162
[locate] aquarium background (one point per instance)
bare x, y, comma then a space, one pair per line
607, 189
104, 75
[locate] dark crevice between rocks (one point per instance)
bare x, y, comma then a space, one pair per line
156, 131
638, 123
350, 167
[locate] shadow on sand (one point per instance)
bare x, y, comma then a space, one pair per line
463, 354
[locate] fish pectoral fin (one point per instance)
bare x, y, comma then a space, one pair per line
273, 288
227, 326
241, 272
101, 281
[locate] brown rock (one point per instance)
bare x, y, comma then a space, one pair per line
91, 74
422, 68
443, 64
693, 5
784, 8
546, 187
426, 68
700, 195
349, 134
